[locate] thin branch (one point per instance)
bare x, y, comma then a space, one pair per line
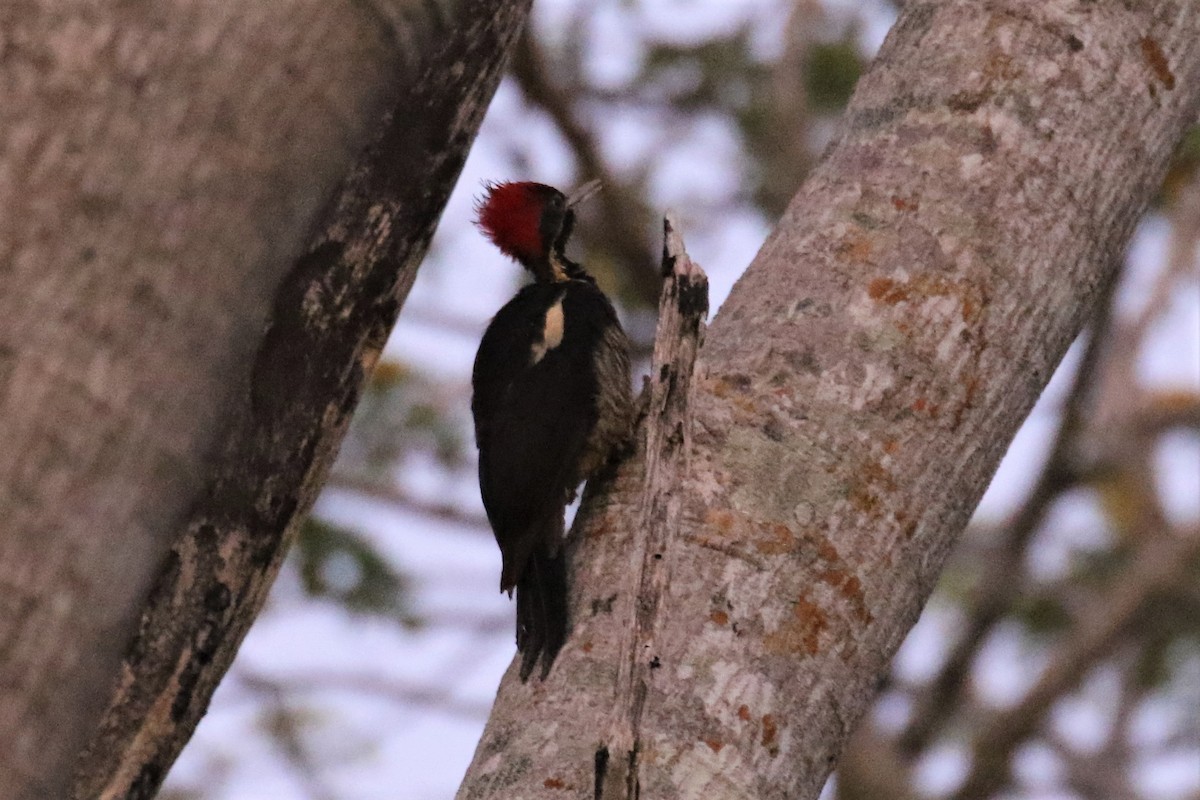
785, 144
432, 698
619, 205
389, 492
869, 768
445, 320
1166, 411
285, 732
1182, 257
1161, 563
1104, 774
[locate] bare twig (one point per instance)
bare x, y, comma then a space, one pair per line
285, 733
619, 205
392, 494
435, 699
1161, 563
445, 320
1165, 411
869, 768
1182, 260
787, 147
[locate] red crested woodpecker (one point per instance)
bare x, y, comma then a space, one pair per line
552, 403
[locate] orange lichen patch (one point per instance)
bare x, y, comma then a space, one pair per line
802, 632
873, 481
970, 389
968, 309
586, 646
714, 744
887, 290
773, 538
719, 617
719, 388
726, 384
849, 587
601, 528
746, 404
864, 499
923, 406
720, 521
1173, 401
905, 204
854, 247
827, 552
1000, 66
770, 731
847, 584
1157, 61
744, 712
921, 287
767, 537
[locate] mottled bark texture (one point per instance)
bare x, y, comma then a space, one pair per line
160, 166
852, 399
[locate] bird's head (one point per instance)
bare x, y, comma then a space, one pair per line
531, 222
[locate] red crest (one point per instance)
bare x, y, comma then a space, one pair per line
510, 214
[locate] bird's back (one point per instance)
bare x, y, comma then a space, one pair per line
535, 405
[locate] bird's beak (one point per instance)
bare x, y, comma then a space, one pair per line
583, 193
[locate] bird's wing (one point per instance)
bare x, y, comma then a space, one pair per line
531, 421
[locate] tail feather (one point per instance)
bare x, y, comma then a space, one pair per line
541, 611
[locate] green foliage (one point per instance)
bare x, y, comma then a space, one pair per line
831, 72
715, 75
338, 564
1183, 168
403, 413
1042, 614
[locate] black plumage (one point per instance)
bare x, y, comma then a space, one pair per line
551, 401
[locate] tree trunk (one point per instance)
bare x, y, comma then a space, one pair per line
162, 164
852, 400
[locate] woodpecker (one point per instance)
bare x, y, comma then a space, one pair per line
552, 403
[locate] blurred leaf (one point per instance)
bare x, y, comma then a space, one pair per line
422, 415
338, 564
717, 74
1183, 168
1151, 669
404, 413
388, 375
832, 70
1042, 614
285, 723
1126, 498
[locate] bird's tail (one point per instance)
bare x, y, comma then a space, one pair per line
541, 610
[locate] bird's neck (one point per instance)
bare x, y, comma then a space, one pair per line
555, 267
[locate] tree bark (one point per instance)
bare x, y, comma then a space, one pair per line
852, 400
162, 163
